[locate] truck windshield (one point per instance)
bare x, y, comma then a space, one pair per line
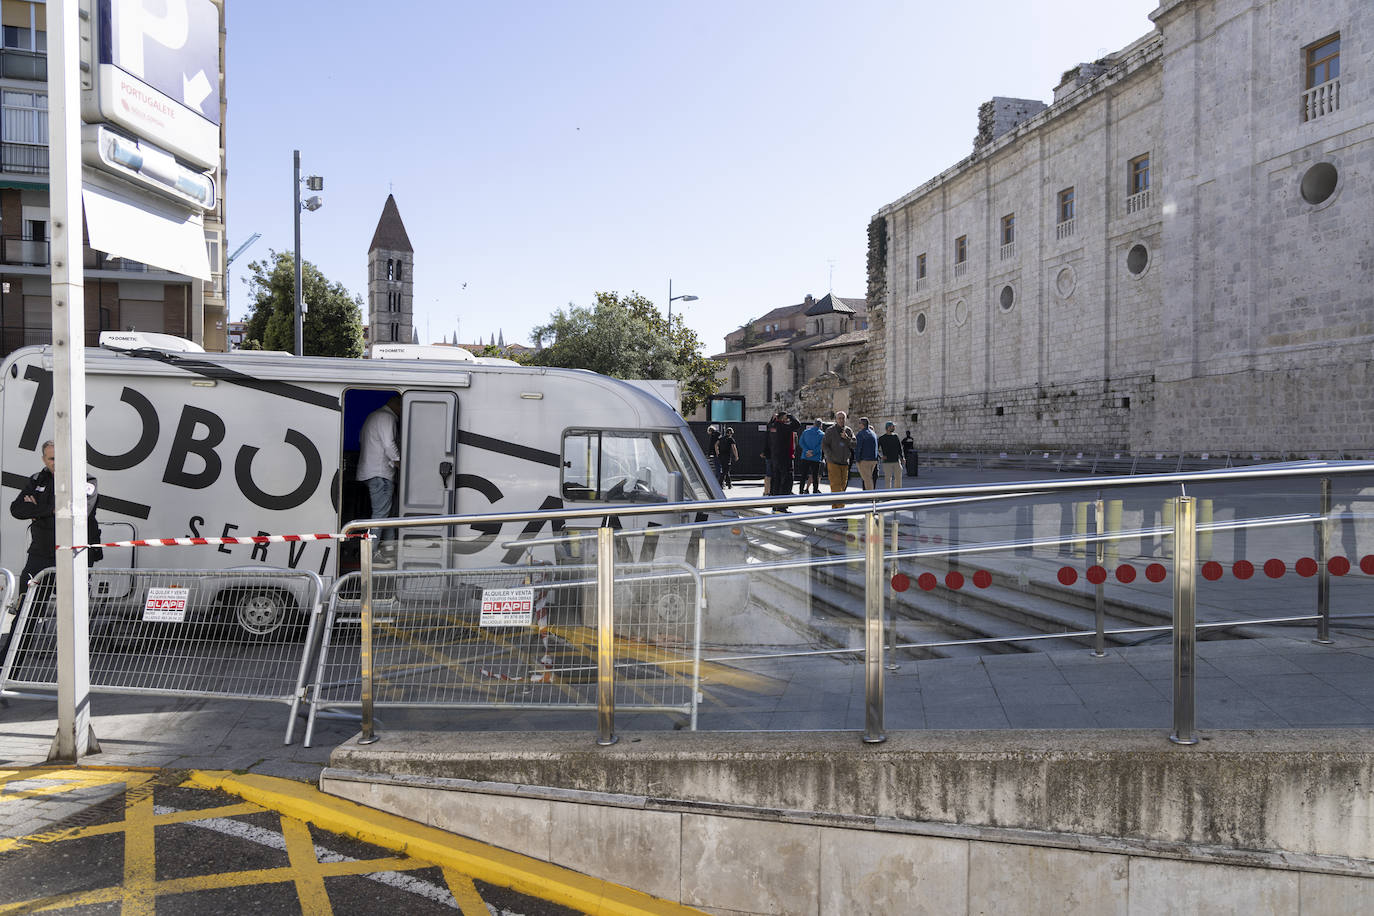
629, 466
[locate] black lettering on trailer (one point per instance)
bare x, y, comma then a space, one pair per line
147, 438
314, 472
260, 550
38, 407
488, 530
185, 443
227, 533
193, 524
533, 527
324, 561
294, 552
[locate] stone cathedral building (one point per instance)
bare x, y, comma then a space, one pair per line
390, 281
1175, 254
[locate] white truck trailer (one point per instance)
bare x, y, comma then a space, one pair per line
189, 444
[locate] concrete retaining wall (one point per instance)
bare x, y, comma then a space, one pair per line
947, 822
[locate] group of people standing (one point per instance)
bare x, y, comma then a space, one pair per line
836, 446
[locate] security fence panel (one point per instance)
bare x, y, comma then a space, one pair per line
515, 636
207, 633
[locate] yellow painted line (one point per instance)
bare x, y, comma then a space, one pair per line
81, 833
486, 863
140, 866
470, 903
300, 850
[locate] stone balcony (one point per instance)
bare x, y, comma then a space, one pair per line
1321, 100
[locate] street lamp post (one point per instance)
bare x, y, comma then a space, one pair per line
671, 300
312, 183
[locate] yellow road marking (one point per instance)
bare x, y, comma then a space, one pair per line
487, 863
80, 833
305, 865
140, 867
470, 903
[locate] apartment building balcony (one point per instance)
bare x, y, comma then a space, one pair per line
16, 251
1139, 201
1321, 100
1008, 251
23, 159
24, 65
1064, 230
961, 269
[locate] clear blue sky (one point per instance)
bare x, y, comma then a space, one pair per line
540, 152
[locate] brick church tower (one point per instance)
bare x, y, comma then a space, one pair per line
390, 281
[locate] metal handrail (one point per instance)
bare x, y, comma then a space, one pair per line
874, 504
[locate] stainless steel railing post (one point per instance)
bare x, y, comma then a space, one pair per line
1323, 573
1099, 596
1185, 618
873, 629
891, 664
365, 656
605, 636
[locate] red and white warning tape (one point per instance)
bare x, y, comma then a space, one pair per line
199, 542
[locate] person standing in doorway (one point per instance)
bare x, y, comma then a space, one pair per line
782, 430
866, 453
837, 447
890, 448
909, 452
809, 442
379, 456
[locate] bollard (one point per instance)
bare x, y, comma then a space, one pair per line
1204, 520
605, 636
873, 629
1080, 527
1099, 597
365, 655
1323, 573
1115, 509
1185, 618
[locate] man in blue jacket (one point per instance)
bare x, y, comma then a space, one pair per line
810, 444
866, 453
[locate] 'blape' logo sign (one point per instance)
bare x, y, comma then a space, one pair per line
507, 607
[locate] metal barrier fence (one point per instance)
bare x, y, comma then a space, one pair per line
521, 636
1170, 560
204, 633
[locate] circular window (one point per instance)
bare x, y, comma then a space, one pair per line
1137, 259
960, 313
1065, 281
1006, 298
921, 323
1319, 183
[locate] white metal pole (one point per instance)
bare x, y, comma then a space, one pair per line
74, 737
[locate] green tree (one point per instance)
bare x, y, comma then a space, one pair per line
627, 337
332, 325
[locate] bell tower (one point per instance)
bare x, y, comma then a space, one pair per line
390, 281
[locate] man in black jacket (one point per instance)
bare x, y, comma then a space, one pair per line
782, 430
37, 503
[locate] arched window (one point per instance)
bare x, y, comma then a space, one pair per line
390, 269
399, 265
768, 381
734, 379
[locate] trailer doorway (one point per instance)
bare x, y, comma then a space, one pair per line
353, 500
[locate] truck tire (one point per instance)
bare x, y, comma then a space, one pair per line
263, 611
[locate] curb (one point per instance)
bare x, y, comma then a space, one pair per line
489, 864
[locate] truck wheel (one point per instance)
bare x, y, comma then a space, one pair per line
259, 612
